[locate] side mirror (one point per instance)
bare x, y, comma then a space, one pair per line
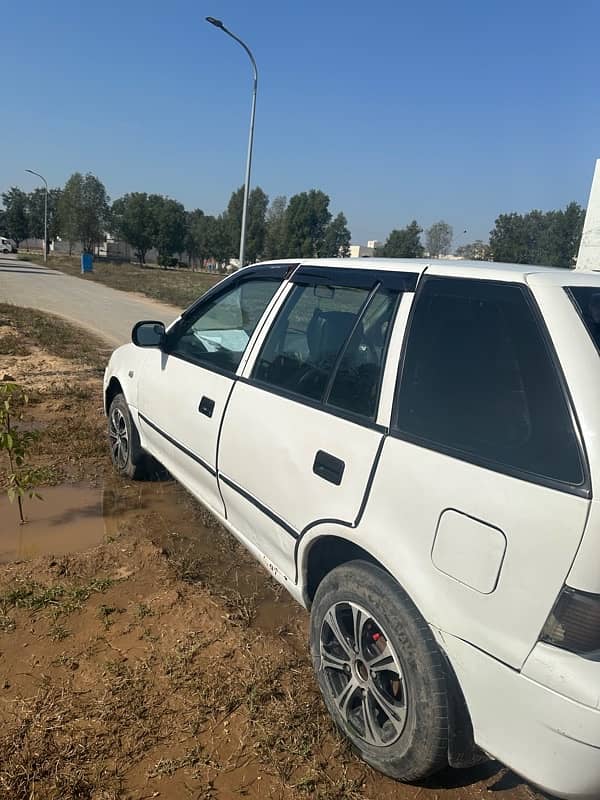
148, 334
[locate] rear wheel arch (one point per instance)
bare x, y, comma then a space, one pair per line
329, 551
324, 554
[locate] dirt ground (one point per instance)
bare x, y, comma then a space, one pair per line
143, 653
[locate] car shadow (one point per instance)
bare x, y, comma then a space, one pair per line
497, 777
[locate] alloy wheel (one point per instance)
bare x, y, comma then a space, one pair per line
363, 673
119, 438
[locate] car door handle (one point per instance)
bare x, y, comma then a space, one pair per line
207, 406
329, 467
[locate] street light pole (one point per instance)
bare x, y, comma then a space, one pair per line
218, 24
45, 213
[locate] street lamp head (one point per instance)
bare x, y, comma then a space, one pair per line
30, 170
216, 22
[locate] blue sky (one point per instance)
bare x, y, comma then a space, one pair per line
456, 110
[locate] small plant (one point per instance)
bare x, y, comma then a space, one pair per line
21, 477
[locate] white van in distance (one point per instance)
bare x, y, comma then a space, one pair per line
7, 245
412, 449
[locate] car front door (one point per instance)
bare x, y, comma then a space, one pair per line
300, 435
184, 388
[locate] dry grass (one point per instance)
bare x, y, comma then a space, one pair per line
179, 287
52, 334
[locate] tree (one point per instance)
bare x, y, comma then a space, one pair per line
171, 227
84, 210
255, 222
547, 238
439, 239
16, 220
133, 219
306, 221
403, 243
336, 242
275, 229
475, 251
35, 206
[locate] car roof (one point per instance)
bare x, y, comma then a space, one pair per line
459, 268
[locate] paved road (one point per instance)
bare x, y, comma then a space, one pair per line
104, 311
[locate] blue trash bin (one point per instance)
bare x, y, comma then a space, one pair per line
87, 262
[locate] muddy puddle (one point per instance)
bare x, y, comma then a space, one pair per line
76, 518
68, 519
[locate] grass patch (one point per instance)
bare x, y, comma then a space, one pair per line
54, 335
62, 599
13, 345
179, 287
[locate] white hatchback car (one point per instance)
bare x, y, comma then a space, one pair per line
410, 447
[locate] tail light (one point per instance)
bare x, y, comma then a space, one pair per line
574, 623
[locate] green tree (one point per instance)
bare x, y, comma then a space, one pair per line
336, 242
474, 251
439, 239
403, 243
84, 210
306, 221
133, 219
548, 238
275, 221
171, 227
16, 220
35, 206
255, 223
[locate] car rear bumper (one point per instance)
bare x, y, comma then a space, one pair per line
547, 737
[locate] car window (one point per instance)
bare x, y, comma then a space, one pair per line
355, 386
587, 303
301, 350
478, 381
217, 333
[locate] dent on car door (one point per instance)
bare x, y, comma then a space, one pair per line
300, 439
185, 387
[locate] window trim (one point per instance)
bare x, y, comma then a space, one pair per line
580, 490
276, 273
324, 278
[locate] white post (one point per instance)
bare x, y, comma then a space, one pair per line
589, 249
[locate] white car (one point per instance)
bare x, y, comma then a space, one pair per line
7, 245
411, 449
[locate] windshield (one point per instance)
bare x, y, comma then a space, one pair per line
587, 303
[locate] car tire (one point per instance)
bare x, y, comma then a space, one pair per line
127, 455
386, 687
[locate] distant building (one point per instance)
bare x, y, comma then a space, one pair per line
364, 251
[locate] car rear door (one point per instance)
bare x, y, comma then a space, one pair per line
300, 435
482, 488
183, 390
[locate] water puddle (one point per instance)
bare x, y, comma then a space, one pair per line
75, 518
68, 519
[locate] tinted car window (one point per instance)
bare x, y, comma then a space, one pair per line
217, 333
301, 350
478, 381
587, 303
356, 383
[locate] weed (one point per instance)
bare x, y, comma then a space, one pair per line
58, 632
144, 611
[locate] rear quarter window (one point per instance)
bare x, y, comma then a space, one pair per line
479, 382
586, 300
